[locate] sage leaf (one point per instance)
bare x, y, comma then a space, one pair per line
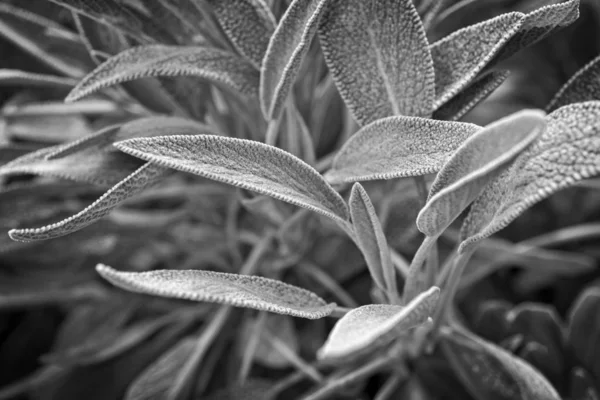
287, 47
216, 66
583, 86
217, 287
371, 239
459, 57
566, 152
243, 163
397, 147
248, 24
378, 55
490, 372
368, 328
584, 327
145, 176
474, 164
466, 100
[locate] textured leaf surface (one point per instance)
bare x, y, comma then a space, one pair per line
568, 151
249, 25
583, 86
474, 164
396, 147
244, 163
371, 238
216, 66
217, 287
288, 46
490, 372
459, 57
379, 57
466, 100
140, 179
373, 326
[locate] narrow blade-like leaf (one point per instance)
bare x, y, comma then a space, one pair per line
568, 151
474, 164
584, 328
397, 147
459, 57
583, 86
11, 77
368, 328
248, 24
378, 55
371, 239
244, 163
490, 372
288, 46
217, 287
216, 66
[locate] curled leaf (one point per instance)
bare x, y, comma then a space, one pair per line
370, 327
378, 55
396, 147
288, 46
583, 86
247, 164
248, 24
217, 287
216, 66
566, 152
474, 164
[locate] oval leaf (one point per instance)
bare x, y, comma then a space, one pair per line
370, 327
248, 24
378, 55
474, 164
370, 237
568, 151
217, 287
397, 147
244, 163
489, 372
459, 57
216, 66
288, 46
583, 86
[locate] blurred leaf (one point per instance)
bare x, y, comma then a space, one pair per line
17, 77
217, 287
216, 66
288, 46
40, 295
247, 164
582, 386
459, 57
584, 328
248, 24
49, 129
397, 147
583, 86
378, 55
280, 327
367, 328
371, 240
254, 389
567, 151
489, 372
473, 165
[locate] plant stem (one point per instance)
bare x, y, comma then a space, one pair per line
272, 132
252, 346
390, 386
412, 286
339, 312
282, 348
422, 190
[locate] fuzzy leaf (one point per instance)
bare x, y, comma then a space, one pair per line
459, 57
378, 55
490, 372
288, 46
396, 147
583, 86
145, 176
568, 151
248, 24
373, 326
216, 66
217, 287
474, 164
244, 163
466, 100
371, 238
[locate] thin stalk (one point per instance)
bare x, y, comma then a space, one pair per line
422, 190
328, 283
287, 353
339, 312
400, 263
252, 346
412, 287
389, 387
